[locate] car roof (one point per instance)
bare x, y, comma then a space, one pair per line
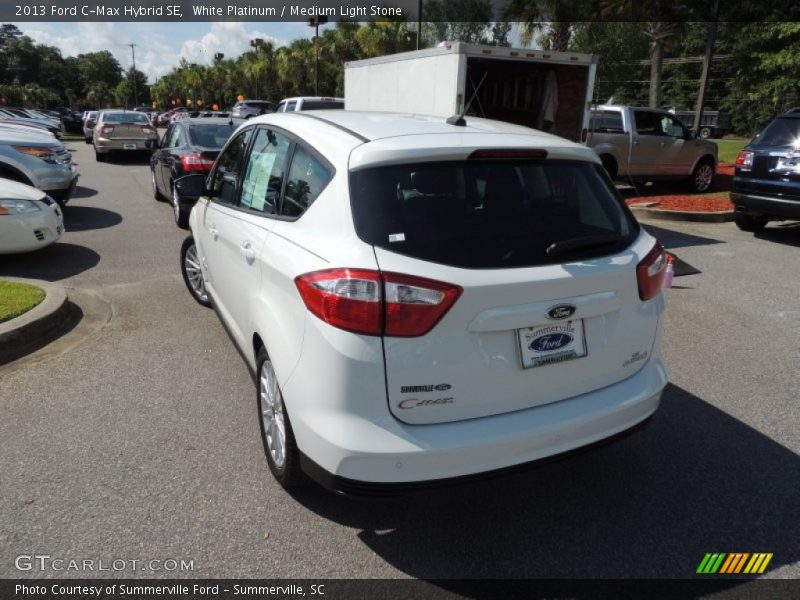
210, 121
314, 98
373, 126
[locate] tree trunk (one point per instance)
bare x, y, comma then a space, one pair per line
560, 35
656, 57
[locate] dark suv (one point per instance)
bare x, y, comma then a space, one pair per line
766, 185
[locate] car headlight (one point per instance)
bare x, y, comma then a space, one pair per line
45, 154
18, 207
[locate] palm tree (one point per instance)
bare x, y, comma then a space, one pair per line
532, 15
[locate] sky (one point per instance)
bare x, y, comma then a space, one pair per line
160, 46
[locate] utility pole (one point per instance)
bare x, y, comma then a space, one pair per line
419, 22
135, 91
711, 38
315, 22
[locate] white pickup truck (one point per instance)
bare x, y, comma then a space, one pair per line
648, 144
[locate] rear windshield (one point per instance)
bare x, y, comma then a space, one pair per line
211, 135
781, 132
130, 117
488, 214
321, 104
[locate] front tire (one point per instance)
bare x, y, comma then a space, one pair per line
192, 272
156, 193
749, 223
280, 447
702, 177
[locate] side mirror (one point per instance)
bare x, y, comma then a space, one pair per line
191, 186
691, 134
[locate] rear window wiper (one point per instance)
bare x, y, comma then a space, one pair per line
582, 243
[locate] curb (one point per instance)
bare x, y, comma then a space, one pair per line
31, 330
682, 215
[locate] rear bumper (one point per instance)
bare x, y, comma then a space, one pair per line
353, 455
768, 206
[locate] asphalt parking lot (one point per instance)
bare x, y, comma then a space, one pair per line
139, 439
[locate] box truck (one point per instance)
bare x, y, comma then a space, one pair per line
551, 91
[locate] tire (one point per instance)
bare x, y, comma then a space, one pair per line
156, 194
705, 133
192, 272
280, 447
702, 177
99, 157
180, 214
87, 140
749, 223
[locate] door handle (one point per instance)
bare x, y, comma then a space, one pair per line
246, 250
214, 233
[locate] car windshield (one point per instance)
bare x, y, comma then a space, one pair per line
211, 135
489, 214
130, 117
781, 132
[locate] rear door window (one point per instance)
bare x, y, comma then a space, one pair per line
488, 214
607, 122
648, 123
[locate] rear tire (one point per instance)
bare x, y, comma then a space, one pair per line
99, 157
87, 140
156, 194
181, 214
749, 223
702, 177
280, 447
705, 133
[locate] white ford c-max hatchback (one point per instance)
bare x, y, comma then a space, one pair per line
420, 301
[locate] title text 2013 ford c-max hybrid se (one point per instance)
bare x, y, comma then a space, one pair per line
421, 301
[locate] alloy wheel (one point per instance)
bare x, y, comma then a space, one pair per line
194, 274
272, 416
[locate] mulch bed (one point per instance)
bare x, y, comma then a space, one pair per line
716, 200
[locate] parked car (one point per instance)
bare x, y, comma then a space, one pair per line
24, 113
15, 125
29, 218
648, 144
766, 182
188, 146
122, 130
13, 117
38, 159
420, 300
89, 120
252, 108
309, 103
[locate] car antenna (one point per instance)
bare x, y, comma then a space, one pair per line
459, 119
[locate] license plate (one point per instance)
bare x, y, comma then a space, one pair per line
129, 146
551, 343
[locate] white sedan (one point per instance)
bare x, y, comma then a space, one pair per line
29, 218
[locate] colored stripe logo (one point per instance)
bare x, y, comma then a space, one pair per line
734, 563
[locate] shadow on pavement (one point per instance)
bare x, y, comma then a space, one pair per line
84, 192
85, 218
678, 239
696, 480
128, 158
783, 233
55, 262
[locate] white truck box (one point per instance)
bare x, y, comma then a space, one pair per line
522, 86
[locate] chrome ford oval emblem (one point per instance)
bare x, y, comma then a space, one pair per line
561, 311
551, 341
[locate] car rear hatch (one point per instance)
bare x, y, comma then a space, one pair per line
528, 326
128, 130
770, 164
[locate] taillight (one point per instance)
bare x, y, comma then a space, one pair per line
650, 272
414, 305
374, 303
745, 160
106, 129
147, 129
195, 163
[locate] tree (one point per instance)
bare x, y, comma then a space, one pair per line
99, 67
534, 16
127, 95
